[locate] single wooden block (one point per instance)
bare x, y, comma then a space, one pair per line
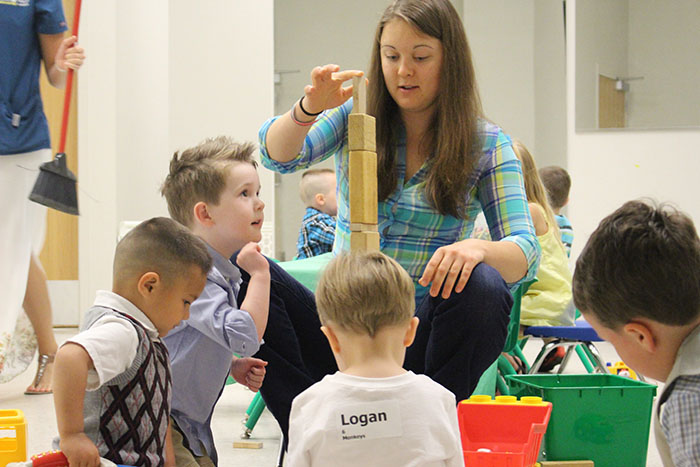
364, 241
567, 464
359, 227
247, 444
362, 132
359, 95
363, 187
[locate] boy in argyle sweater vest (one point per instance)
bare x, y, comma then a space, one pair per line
112, 383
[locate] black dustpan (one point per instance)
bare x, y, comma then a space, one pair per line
55, 186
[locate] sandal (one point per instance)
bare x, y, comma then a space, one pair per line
44, 361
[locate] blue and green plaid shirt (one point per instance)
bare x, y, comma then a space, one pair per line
316, 234
410, 229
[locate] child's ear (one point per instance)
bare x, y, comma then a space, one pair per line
641, 334
332, 338
147, 283
411, 332
320, 199
201, 213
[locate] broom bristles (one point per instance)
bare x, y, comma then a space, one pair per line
55, 187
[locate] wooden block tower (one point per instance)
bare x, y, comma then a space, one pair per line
363, 172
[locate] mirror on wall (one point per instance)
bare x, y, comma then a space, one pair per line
637, 64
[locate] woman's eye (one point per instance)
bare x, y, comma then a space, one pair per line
420, 59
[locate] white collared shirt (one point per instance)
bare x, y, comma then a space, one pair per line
112, 342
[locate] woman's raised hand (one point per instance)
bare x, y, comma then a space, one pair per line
326, 90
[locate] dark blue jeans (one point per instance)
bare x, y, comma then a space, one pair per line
457, 339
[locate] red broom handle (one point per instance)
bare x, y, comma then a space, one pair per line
69, 84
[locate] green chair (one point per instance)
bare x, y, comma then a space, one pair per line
494, 377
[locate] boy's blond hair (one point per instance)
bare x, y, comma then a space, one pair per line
199, 174
364, 292
314, 181
159, 245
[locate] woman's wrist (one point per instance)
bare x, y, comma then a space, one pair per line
306, 112
295, 116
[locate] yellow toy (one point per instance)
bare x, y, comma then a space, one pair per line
13, 437
621, 369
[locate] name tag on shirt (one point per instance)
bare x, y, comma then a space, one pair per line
380, 419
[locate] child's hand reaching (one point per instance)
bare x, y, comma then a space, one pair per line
80, 450
249, 372
251, 259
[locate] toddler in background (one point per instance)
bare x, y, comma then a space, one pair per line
637, 282
372, 412
112, 384
557, 182
317, 232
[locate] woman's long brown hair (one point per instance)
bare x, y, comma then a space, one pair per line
452, 137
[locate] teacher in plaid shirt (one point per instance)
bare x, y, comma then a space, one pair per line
440, 163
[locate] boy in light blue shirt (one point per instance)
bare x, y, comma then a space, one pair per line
213, 190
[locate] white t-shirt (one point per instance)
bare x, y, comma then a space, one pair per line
344, 420
112, 342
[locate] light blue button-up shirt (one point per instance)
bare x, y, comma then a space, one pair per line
201, 350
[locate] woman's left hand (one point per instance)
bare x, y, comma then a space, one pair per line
451, 266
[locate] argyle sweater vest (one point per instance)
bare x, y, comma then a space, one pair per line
127, 417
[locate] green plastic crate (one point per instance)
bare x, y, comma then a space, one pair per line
603, 418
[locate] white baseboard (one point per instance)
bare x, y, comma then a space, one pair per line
65, 302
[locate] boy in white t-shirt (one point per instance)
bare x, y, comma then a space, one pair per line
112, 383
372, 411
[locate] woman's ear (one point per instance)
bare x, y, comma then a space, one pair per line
147, 283
332, 338
641, 334
411, 332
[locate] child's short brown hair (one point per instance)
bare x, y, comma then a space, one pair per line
643, 260
199, 174
160, 245
557, 182
365, 291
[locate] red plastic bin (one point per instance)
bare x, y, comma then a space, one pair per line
503, 432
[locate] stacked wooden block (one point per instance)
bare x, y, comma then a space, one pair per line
363, 172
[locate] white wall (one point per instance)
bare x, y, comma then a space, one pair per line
601, 48
518, 52
610, 167
501, 38
550, 83
669, 95
161, 76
